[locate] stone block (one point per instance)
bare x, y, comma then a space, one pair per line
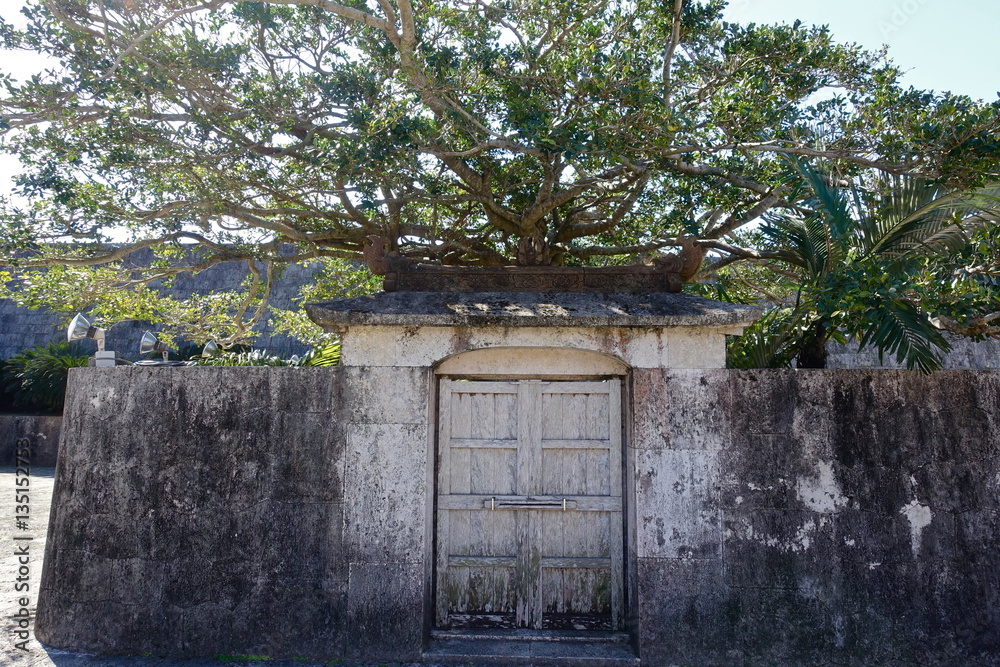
888, 434
94, 394
877, 489
966, 593
384, 395
306, 621
695, 347
682, 617
642, 348
112, 628
608, 341
304, 390
763, 471
385, 611
650, 404
763, 402
796, 627
164, 534
396, 346
385, 501
977, 536
529, 361
678, 409
872, 540
41, 432
207, 630
308, 464
118, 536
677, 506
194, 579
305, 541
78, 576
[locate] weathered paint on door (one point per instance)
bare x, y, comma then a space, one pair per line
529, 505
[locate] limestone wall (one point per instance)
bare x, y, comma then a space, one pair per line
23, 328
778, 517
198, 512
818, 517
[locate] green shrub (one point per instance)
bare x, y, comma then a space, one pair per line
326, 355
251, 358
35, 380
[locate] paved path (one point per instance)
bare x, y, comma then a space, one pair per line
22, 538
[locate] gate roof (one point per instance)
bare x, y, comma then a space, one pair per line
529, 309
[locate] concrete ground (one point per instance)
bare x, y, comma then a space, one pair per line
13, 579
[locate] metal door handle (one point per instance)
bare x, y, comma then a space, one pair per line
529, 503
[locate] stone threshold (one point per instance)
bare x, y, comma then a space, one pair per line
531, 647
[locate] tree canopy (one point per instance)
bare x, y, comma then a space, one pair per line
600, 130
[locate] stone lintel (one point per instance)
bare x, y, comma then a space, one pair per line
529, 309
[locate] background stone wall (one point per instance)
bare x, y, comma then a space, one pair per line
964, 354
41, 431
780, 517
23, 328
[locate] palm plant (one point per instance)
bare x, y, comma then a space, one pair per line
856, 259
36, 378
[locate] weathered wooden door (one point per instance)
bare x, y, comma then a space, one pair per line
529, 505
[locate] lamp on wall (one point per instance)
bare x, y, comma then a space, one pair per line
210, 350
81, 328
151, 343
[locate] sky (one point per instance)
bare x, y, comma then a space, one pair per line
942, 45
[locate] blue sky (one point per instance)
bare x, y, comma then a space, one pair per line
941, 44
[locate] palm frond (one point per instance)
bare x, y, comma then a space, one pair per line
883, 203
897, 327
805, 239
323, 356
772, 341
832, 201
942, 224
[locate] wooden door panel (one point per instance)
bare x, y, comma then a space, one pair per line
482, 590
577, 591
529, 505
493, 471
577, 534
576, 472
493, 534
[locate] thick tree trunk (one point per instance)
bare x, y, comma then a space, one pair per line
813, 352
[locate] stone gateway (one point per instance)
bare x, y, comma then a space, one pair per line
529, 479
